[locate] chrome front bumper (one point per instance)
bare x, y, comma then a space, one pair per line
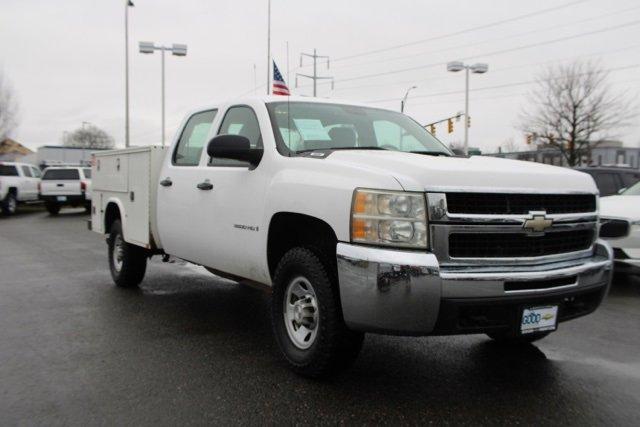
401, 292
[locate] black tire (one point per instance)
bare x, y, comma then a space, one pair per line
87, 207
129, 272
335, 347
504, 338
9, 204
53, 208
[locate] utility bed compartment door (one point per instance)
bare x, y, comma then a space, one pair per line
139, 164
112, 173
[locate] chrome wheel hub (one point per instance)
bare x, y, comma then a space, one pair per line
118, 253
12, 204
301, 314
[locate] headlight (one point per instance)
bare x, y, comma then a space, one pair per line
389, 218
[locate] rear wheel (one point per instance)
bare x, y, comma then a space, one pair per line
53, 208
127, 262
9, 204
307, 318
504, 338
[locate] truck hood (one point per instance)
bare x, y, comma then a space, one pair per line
621, 207
419, 172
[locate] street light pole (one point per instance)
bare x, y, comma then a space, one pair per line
466, 111
175, 49
162, 97
403, 103
478, 68
127, 4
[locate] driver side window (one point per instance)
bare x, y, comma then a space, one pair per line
242, 121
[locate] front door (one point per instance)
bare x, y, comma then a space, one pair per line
232, 215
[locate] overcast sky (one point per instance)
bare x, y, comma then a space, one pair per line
65, 58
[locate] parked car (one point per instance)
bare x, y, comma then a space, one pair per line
18, 183
356, 220
620, 225
66, 186
612, 180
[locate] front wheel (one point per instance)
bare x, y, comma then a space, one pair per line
307, 317
9, 205
127, 262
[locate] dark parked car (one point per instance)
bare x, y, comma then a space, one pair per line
610, 180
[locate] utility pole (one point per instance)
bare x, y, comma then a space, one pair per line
269, 47
315, 77
127, 5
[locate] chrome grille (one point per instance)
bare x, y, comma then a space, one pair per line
515, 204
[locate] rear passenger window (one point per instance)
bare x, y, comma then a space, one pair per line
61, 174
26, 170
193, 139
87, 173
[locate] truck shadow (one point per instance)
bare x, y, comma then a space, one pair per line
402, 378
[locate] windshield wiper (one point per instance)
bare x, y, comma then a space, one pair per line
432, 153
340, 148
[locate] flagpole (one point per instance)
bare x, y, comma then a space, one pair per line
269, 47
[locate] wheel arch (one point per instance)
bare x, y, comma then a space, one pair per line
291, 229
113, 211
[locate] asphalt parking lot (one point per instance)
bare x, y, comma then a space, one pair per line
188, 348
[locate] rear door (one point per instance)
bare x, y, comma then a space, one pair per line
61, 182
179, 199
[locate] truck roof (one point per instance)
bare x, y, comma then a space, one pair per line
278, 98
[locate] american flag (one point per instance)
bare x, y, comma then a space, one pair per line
279, 86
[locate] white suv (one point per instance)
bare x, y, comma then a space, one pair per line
18, 183
66, 186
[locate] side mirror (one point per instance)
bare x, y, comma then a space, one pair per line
235, 147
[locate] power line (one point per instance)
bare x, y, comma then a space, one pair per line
456, 33
494, 70
496, 52
467, 45
478, 89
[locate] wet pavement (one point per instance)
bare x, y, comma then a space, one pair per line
188, 348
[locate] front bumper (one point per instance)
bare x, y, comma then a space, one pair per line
408, 293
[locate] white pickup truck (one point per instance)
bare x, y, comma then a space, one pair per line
357, 220
66, 186
18, 183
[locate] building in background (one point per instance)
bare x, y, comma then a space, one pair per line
49, 155
11, 151
606, 153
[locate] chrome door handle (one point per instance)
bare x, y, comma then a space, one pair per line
166, 182
205, 186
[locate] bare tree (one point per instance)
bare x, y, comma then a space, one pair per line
574, 109
88, 137
8, 108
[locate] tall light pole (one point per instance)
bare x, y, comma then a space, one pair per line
479, 68
127, 4
404, 99
175, 49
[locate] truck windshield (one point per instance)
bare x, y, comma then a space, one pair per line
62, 174
310, 126
8, 170
634, 190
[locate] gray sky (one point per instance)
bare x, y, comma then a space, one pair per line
65, 59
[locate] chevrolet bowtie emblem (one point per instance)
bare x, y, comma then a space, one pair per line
538, 223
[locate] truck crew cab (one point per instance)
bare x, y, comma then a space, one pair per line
18, 183
357, 220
